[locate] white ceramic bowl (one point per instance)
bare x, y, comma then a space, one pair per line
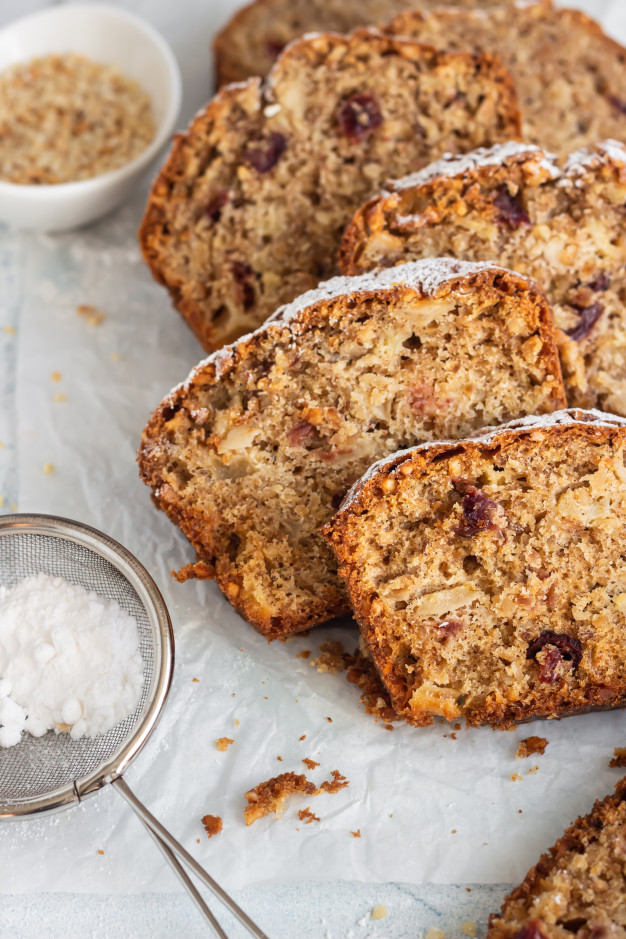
107, 35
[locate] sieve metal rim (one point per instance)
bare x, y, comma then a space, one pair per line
150, 595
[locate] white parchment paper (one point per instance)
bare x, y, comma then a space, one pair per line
430, 808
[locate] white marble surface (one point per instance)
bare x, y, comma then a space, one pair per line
302, 909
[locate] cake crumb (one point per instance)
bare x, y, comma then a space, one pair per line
197, 841
236, 722
223, 743
303, 737
329, 719
116, 357
435, 934
379, 912
92, 314
469, 929
307, 816
309, 762
8, 330
212, 825
330, 658
338, 782
60, 397
56, 376
304, 654
100, 851
532, 770
531, 745
48, 468
269, 797
619, 758
279, 758
195, 679
515, 777
356, 834
453, 832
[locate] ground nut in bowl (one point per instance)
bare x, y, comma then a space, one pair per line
104, 36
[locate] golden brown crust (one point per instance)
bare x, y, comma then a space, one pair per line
548, 902
220, 232
385, 484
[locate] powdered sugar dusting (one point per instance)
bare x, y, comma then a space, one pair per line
590, 158
426, 275
457, 165
571, 416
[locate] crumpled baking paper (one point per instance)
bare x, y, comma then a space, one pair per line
432, 805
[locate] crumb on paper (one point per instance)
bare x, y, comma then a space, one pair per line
100, 851
56, 376
453, 736
48, 468
14, 506
435, 934
92, 314
60, 397
279, 758
329, 719
223, 743
307, 816
533, 769
8, 330
304, 654
469, 929
212, 824
515, 777
1, 444
236, 722
1, 501
519, 812
453, 832
379, 912
330, 657
116, 357
309, 762
531, 745
619, 758
468, 889
303, 737
195, 679
356, 834
269, 797
197, 841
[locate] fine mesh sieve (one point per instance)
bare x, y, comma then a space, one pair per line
45, 774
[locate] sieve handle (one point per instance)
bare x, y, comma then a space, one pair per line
188, 884
170, 844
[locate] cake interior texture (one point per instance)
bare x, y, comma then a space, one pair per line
564, 227
251, 461
568, 74
489, 577
248, 211
576, 890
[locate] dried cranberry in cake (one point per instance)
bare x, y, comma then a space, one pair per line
298, 153
281, 445
244, 275
617, 103
521, 655
264, 156
359, 116
214, 208
464, 206
588, 317
576, 888
511, 212
448, 628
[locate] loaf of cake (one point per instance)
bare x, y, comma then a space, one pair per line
577, 889
488, 574
248, 211
256, 34
561, 226
570, 76
254, 452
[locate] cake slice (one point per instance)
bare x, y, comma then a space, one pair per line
488, 574
569, 75
563, 227
250, 42
578, 888
254, 452
248, 210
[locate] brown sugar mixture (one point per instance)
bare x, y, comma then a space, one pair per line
64, 118
254, 452
488, 575
577, 889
